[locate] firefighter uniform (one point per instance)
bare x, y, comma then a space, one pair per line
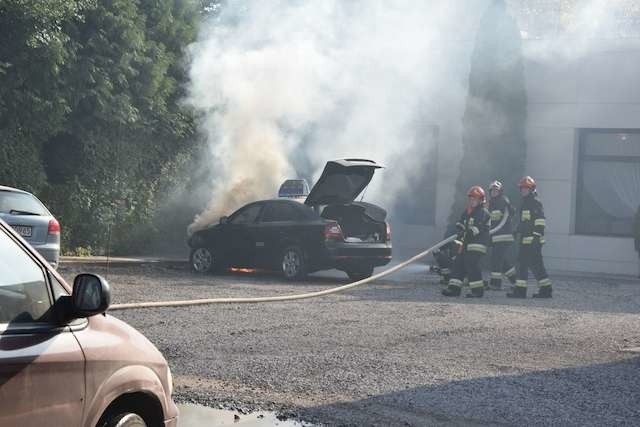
531, 238
501, 241
473, 233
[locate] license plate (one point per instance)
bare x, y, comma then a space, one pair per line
23, 230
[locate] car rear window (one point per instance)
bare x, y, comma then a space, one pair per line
21, 203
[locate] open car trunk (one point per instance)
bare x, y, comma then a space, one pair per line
360, 222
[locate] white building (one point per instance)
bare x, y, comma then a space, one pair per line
583, 148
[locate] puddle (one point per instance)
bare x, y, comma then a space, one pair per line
202, 416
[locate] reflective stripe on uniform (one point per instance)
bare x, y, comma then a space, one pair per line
477, 247
544, 282
496, 215
510, 272
527, 240
455, 282
475, 230
502, 238
476, 284
521, 283
539, 221
495, 275
535, 233
525, 216
445, 271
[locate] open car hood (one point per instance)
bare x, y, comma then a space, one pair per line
342, 181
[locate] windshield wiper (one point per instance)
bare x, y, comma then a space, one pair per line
19, 212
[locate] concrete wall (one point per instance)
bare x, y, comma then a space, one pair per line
598, 90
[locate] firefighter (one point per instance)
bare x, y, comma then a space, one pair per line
501, 240
473, 237
531, 238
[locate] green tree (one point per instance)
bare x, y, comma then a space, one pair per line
493, 136
90, 110
33, 103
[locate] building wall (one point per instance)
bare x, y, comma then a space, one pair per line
566, 91
600, 89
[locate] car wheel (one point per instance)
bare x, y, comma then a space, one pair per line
202, 260
357, 275
293, 263
126, 420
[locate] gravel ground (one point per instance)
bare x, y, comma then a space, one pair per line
395, 352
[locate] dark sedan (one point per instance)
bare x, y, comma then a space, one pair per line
328, 231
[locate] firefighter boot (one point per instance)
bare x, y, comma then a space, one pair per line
476, 292
544, 291
518, 291
453, 290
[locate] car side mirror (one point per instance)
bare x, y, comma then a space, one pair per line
91, 295
224, 219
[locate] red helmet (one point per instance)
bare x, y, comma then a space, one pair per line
527, 182
496, 185
476, 192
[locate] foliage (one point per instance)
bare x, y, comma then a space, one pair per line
90, 111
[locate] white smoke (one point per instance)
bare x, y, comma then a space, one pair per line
567, 31
281, 83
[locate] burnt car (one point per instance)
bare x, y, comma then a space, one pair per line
329, 230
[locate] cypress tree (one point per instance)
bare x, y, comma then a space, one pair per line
493, 135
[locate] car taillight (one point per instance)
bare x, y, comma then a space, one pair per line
332, 231
54, 227
388, 232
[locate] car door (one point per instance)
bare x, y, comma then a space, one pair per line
279, 222
240, 234
41, 363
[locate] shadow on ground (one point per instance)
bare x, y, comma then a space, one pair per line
596, 395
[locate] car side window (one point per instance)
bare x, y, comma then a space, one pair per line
274, 212
247, 215
24, 297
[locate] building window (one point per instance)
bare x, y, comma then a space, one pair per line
608, 181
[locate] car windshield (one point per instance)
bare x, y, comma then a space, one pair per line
12, 202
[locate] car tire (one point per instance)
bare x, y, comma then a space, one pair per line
203, 260
357, 275
293, 263
129, 419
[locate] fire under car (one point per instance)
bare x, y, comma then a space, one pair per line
329, 230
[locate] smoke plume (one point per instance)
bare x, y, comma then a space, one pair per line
284, 86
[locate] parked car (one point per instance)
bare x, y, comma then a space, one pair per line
33, 221
64, 363
330, 230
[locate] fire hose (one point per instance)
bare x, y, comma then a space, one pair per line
253, 300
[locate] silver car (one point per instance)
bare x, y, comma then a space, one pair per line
33, 221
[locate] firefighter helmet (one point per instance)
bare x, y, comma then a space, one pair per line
476, 192
496, 185
527, 182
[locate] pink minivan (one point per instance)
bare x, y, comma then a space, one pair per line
63, 360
